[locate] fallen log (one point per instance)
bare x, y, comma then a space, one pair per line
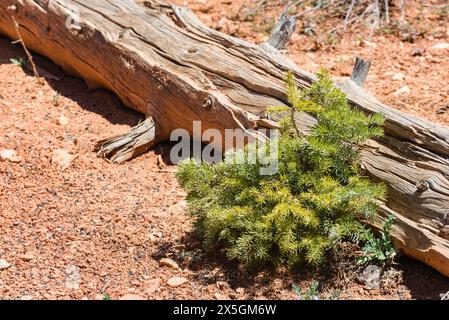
162, 61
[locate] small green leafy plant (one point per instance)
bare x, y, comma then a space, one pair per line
55, 99
20, 62
316, 198
106, 296
379, 250
313, 293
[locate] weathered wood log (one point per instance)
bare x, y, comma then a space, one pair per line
162, 61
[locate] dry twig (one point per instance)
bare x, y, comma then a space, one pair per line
348, 15
27, 52
402, 12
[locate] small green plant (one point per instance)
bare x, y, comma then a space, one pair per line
313, 293
379, 250
316, 198
55, 99
106, 296
20, 62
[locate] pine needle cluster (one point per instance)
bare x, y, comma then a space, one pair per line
316, 199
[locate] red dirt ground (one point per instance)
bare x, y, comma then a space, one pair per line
115, 223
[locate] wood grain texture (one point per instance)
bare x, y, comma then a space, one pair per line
162, 61
139, 140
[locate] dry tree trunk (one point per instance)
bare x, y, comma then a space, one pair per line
162, 61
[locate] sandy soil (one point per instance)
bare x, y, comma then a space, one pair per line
111, 225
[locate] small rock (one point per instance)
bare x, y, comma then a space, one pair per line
153, 285
84, 298
370, 44
71, 138
371, 277
98, 297
398, 76
418, 52
220, 23
73, 277
10, 155
26, 257
131, 296
26, 298
402, 91
240, 290
219, 296
223, 285
167, 262
176, 281
4, 264
61, 157
63, 120
440, 46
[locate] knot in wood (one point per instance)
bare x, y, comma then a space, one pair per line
124, 33
192, 50
12, 8
208, 103
75, 29
423, 186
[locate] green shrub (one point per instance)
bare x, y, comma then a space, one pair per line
315, 199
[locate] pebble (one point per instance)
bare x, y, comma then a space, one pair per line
176, 281
402, 91
131, 296
72, 277
167, 262
398, 76
418, 52
220, 23
240, 290
26, 257
10, 155
98, 297
219, 296
63, 120
222, 285
61, 157
370, 44
4, 264
440, 46
153, 285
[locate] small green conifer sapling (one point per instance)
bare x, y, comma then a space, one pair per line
315, 200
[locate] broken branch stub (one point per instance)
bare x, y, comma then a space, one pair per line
360, 71
137, 141
283, 31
